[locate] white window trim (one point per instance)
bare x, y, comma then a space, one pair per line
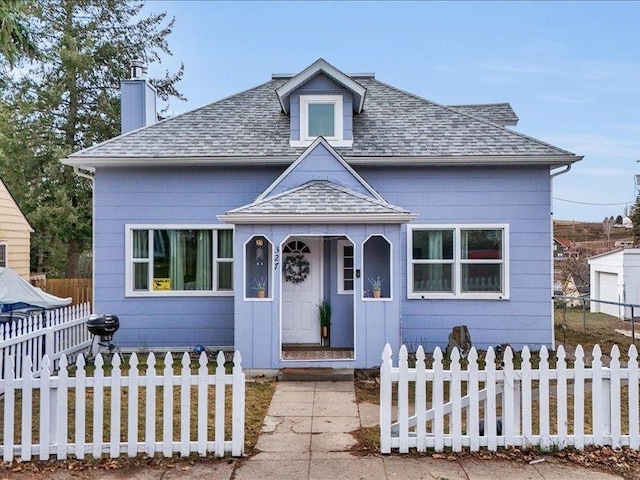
129, 261
340, 245
457, 263
267, 298
365, 279
338, 139
6, 253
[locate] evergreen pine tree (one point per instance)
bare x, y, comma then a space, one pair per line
68, 100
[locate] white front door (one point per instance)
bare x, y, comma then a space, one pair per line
300, 300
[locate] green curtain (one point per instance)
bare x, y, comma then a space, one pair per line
203, 260
225, 250
176, 259
141, 251
140, 244
225, 243
436, 253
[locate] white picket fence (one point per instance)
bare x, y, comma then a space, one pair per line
54, 333
174, 409
499, 407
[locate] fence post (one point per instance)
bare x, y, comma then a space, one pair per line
49, 345
614, 394
584, 315
385, 400
634, 415
219, 405
237, 408
633, 327
403, 399
599, 399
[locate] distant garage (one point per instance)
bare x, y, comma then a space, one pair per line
615, 277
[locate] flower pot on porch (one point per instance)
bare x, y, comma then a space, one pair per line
376, 294
324, 320
325, 335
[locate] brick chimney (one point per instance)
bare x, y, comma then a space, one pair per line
138, 99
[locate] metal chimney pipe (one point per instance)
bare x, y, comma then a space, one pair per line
137, 68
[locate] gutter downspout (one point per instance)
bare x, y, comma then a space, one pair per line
77, 171
567, 167
82, 174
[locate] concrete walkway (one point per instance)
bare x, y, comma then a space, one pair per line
306, 436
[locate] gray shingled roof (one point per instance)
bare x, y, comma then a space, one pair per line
251, 124
318, 197
498, 113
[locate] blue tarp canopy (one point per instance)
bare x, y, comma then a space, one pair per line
16, 292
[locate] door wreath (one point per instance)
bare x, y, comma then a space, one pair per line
296, 269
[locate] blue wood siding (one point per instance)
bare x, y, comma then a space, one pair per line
165, 196
519, 197
319, 164
322, 85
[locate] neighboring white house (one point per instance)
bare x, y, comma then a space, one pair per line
572, 293
627, 223
615, 277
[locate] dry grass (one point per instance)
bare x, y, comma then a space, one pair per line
572, 328
259, 394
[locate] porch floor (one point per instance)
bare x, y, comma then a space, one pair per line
315, 352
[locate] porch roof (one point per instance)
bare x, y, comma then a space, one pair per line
318, 201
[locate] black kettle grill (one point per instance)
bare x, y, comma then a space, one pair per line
104, 326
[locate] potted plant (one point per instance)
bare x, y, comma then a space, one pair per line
260, 286
324, 320
376, 286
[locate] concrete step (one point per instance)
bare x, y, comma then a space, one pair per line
316, 375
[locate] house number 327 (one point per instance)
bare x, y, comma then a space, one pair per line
276, 259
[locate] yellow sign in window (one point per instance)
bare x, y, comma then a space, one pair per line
162, 284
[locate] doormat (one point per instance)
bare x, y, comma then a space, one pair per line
320, 354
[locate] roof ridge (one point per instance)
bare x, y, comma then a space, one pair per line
480, 104
273, 197
353, 193
452, 109
146, 127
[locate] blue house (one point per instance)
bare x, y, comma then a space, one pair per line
228, 225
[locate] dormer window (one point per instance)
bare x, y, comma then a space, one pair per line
321, 115
321, 118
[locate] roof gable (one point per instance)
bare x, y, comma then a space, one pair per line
321, 66
318, 201
9, 209
320, 162
563, 241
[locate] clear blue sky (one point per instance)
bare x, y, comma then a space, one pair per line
571, 70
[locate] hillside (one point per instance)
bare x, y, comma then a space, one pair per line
589, 235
